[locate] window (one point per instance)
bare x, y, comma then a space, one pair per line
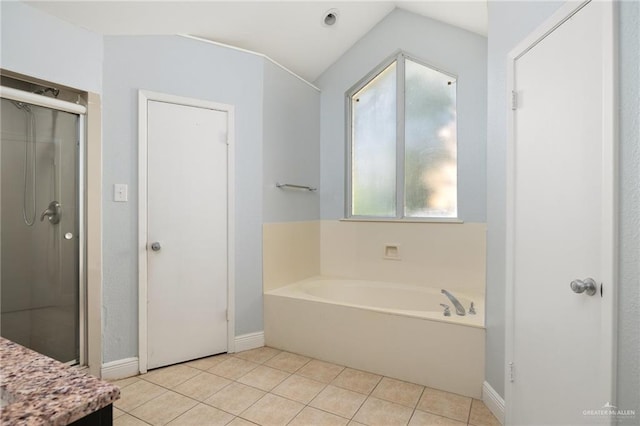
402, 143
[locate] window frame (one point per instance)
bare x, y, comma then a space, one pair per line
399, 57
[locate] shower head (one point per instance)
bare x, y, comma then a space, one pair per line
45, 90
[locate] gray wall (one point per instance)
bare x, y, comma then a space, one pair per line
629, 290
43, 46
184, 67
291, 146
448, 48
509, 23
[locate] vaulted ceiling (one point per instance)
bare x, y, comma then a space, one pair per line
290, 32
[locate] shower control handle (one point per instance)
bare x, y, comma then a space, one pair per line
588, 285
52, 212
156, 246
447, 311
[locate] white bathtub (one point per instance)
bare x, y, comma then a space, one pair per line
397, 330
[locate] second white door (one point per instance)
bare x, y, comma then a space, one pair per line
562, 224
187, 244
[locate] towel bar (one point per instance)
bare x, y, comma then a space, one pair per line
292, 186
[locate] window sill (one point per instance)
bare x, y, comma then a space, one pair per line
451, 220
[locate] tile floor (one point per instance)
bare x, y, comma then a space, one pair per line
266, 386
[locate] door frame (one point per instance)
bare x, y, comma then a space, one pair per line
144, 96
609, 184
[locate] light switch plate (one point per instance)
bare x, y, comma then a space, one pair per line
120, 192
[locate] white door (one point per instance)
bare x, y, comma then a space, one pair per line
561, 226
186, 232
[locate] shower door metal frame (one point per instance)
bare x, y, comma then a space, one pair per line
81, 111
82, 246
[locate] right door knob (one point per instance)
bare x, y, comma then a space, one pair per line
588, 285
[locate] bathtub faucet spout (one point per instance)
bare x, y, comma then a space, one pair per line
459, 308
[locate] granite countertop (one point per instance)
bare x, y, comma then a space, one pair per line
37, 390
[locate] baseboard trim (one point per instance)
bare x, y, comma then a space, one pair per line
493, 401
120, 369
128, 367
248, 341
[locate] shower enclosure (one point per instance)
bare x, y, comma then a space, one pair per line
41, 231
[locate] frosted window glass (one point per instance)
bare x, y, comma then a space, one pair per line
430, 143
373, 164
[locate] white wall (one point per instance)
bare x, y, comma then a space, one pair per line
184, 67
446, 47
291, 146
43, 46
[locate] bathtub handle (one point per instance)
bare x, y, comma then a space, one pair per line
447, 310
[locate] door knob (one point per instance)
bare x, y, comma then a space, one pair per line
156, 246
588, 285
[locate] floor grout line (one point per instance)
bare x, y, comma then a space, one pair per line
415, 407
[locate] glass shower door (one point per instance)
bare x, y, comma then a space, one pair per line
39, 229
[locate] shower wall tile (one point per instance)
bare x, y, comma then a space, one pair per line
442, 255
291, 252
